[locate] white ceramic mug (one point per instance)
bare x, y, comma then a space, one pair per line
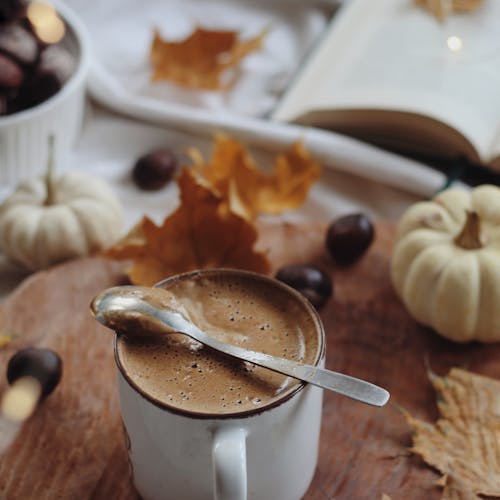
269, 453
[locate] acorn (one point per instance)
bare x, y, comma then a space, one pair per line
32, 374
44, 365
312, 282
11, 10
11, 75
155, 170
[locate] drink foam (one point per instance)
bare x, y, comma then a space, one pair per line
239, 309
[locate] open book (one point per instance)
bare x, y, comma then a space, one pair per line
389, 73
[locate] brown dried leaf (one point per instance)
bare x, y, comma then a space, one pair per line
134, 240
201, 233
464, 443
249, 191
5, 339
455, 489
201, 60
442, 9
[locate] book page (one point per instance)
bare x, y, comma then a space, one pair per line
393, 55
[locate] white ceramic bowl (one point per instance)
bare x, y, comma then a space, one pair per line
24, 135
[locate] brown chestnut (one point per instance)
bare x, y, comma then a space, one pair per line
43, 364
57, 61
11, 75
155, 170
11, 10
348, 237
312, 282
39, 87
18, 43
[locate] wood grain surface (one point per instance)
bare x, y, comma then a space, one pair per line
72, 448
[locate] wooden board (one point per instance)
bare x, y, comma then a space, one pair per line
73, 447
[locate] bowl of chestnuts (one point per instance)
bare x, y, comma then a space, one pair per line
43, 68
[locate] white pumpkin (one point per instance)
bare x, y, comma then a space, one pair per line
445, 264
48, 220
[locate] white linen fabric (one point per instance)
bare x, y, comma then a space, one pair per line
358, 177
110, 144
122, 30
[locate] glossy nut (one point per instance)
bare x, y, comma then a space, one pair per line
348, 237
40, 87
18, 43
312, 282
11, 75
43, 364
57, 61
155, 170
12, 9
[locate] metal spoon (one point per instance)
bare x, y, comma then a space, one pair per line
119, 305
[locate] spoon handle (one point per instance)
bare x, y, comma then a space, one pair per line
346, 385
353, 387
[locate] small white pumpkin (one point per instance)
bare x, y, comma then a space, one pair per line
445, 264
48, 220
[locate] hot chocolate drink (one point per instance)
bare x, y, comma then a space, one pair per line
238, 308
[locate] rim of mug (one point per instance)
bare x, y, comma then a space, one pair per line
287, 395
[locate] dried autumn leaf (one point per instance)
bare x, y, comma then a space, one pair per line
201, 233
201, 60
5, 339
464, 444
442, 9
455, 489
133, 241
233, 172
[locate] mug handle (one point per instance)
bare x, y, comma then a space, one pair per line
230, 463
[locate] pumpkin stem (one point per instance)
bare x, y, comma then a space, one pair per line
470, 235
49, 178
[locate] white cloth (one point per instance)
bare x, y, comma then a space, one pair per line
358, 177
121, 32
110, 144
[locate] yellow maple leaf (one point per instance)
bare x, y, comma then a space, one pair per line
464, 444
248, 189
5, 339
456, 489
201, 233
202, 59
441, 9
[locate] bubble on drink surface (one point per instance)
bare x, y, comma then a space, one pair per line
248, 367
194, 345
260, 326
